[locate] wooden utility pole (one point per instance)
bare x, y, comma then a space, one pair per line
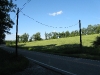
17, 32
80, 34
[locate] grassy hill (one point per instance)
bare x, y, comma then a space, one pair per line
86, 41
66, 46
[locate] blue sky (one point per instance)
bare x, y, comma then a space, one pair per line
56, 13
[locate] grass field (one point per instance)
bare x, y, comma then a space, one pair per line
66, 46
86, 41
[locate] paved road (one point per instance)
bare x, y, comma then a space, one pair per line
75, 66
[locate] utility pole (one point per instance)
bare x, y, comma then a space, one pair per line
80, 34
17, 14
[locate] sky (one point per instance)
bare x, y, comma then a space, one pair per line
63, 14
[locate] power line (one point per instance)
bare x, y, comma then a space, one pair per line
22, 7
46, 24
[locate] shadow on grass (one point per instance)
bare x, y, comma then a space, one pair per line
67, 50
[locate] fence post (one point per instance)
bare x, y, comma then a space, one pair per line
80, 34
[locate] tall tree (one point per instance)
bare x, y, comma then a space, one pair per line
76, 32
6, 6
90, 29
46, 35
67, 33
72, 33
49, 35
98, 28
30, 40
37, 36
84, 31
54, 35
61, 35
24, 38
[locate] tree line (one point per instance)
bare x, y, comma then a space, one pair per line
91, 29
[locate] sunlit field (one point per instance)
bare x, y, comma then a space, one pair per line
66, 46
86, 41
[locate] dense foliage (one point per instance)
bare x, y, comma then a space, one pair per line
6, 6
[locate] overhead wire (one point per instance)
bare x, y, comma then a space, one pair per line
46, 24
22, 8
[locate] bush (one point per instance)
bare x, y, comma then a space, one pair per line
96, 43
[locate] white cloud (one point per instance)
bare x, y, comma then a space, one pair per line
56, 13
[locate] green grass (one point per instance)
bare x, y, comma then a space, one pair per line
66, 46
9, 64
86, 41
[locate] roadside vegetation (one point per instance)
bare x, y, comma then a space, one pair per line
9, 64
67, 46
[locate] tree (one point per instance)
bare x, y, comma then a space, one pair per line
84, 31
24, 37
67, 33
76, 32
49, 35
61, 35
98, 28
54, 35
6, 6
20, 38
46, 35
30, 40
90, 29
95, 29
37, 36
72, 34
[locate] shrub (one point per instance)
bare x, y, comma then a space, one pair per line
96, 43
